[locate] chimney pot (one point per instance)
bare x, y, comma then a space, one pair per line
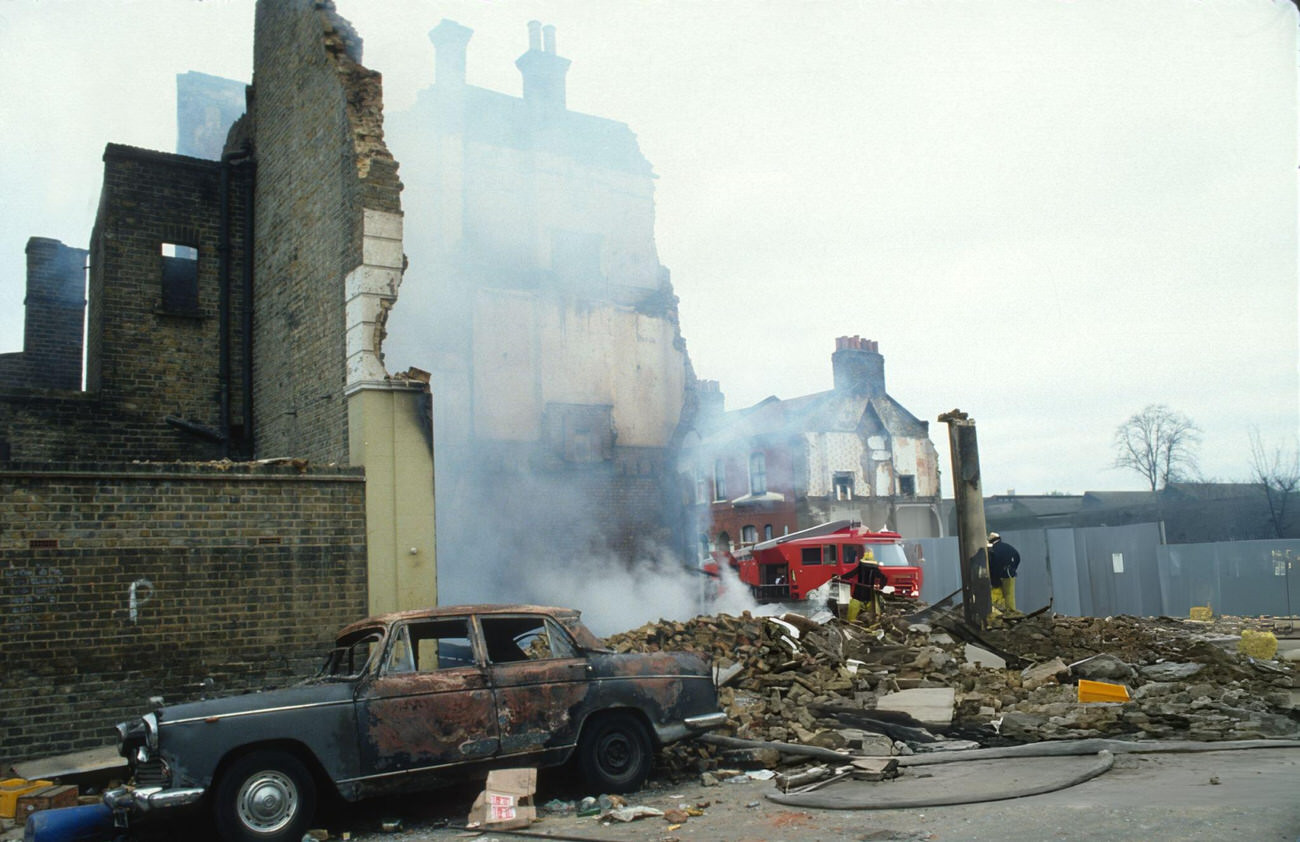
534, 35
548, 39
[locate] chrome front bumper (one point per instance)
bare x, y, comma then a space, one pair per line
141, 800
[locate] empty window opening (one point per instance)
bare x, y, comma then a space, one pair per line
180, 279
430, 646
512, 639
757, 474
719, 480
907, 485
843, 483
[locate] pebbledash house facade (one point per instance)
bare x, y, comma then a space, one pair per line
850, 453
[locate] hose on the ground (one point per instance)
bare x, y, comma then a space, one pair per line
829, 800
1104, 749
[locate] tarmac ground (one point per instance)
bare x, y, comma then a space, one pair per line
1227, 795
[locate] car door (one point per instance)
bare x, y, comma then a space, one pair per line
429, 705
539, 681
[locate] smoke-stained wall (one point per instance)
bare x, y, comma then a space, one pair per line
55, 310
536, 298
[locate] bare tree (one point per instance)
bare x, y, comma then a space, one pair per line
1158, 443
1278, 472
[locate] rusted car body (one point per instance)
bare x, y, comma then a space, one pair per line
412, 700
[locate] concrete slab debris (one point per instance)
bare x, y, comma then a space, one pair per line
931, 705
983, 657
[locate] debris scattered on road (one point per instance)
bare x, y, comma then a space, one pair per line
795, 686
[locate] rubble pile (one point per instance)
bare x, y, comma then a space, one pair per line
836, 684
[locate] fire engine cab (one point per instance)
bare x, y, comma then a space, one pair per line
789, 567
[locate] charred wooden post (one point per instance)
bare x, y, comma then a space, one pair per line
972, 531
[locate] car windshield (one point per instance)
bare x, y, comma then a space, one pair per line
886, 555
349, 658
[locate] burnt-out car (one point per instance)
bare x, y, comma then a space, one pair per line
412, 700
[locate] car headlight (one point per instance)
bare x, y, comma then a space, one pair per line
151, 730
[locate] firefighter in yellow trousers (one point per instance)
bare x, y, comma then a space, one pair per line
1004, 559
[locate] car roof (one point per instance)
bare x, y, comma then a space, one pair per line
457, 611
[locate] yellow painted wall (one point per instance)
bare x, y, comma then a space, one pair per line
385, 436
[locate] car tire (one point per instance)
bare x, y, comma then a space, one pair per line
614, 753
265, 796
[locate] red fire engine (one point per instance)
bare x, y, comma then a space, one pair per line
787, 568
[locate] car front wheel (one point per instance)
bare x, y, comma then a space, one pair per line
265, 796
614, 753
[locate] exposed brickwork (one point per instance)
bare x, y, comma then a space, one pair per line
144, 363
145, 359
250, 570
321, 162
55, 316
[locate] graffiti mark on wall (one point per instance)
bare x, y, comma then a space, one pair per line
141, 591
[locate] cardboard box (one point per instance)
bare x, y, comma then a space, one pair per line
506, 801
45, 798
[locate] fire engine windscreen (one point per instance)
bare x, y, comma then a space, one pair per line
886, 555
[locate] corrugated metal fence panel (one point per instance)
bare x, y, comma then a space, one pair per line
1122, 569
942, 567
1107, 570
1247, 578
1068, 579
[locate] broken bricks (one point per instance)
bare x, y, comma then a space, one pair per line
826, 686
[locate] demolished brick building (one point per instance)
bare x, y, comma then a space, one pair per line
235, 311
852, 453
536, 299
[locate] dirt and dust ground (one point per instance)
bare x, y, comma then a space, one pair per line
1229, 795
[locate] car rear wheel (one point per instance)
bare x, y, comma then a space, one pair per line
614, 753
265, 796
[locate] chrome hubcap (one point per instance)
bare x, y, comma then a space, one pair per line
267, 801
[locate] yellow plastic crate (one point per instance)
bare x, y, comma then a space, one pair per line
11, 789
1101, 691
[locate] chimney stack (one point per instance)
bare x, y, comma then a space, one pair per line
449, 42
858, 367
543, 70
711, 399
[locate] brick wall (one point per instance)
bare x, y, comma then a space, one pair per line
250, 570
149, 360
321, 162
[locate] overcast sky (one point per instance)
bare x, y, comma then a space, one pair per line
1050, 214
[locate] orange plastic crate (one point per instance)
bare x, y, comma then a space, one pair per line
1101, 691
11, 789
